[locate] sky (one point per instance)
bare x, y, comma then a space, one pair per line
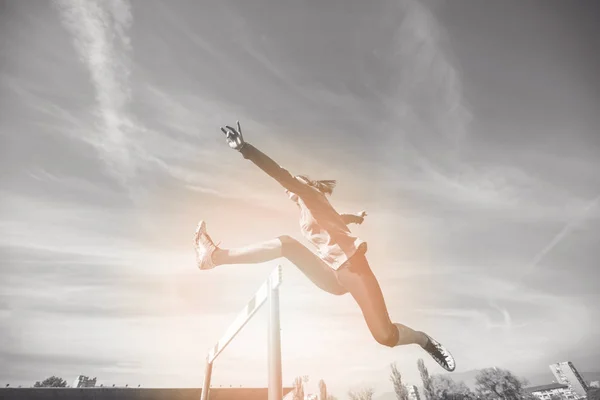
468, 131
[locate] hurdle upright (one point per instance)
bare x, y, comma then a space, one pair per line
269, 290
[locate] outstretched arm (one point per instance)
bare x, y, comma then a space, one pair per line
354, 218
264, 162
274, 170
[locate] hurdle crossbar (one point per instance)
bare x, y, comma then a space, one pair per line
269, 290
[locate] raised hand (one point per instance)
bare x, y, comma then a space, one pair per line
361, 215
234, 137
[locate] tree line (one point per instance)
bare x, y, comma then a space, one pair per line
490, 384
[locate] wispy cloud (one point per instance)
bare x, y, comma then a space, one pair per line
480, 318
506, 317
428, 77
372, 97
430, 117
562, 235
99, 31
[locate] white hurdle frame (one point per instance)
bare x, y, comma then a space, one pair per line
269, 290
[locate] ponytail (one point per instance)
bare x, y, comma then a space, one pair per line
323, 186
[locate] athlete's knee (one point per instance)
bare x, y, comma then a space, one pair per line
288, 244
386, 337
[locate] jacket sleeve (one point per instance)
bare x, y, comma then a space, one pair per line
275, 171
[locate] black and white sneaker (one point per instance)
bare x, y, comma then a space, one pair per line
440, 354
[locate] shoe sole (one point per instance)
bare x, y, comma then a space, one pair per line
450, 356
200, 229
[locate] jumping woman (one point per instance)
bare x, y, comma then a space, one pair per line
341, 265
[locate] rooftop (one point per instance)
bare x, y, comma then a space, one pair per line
549, 386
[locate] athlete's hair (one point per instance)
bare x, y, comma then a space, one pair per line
324, 186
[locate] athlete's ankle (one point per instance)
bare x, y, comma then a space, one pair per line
407, 335
421, 338
218, 256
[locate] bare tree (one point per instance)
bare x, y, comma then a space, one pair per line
322, 390
298, 389
427, 385
396, 378
362, 394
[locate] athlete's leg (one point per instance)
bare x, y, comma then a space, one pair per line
284, 246
252, 254
356, 276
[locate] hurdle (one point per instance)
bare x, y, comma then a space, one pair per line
269, 290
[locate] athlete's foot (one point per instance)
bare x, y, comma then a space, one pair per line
205, 247
439, 353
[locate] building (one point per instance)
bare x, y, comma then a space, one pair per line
413, 392
84, 381
545, 392
565, 373
593, 394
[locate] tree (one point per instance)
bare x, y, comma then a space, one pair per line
444, 388
496, 383
396, 378
322, 390
427, 386
53, 381
362, 394
298, 389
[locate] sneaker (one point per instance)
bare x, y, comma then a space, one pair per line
204, 247
440, 354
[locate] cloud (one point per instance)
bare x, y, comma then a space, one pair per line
429, 116
563, 234
99, 31
506, 317
80, 247
427, 101
428, 134
502, 298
